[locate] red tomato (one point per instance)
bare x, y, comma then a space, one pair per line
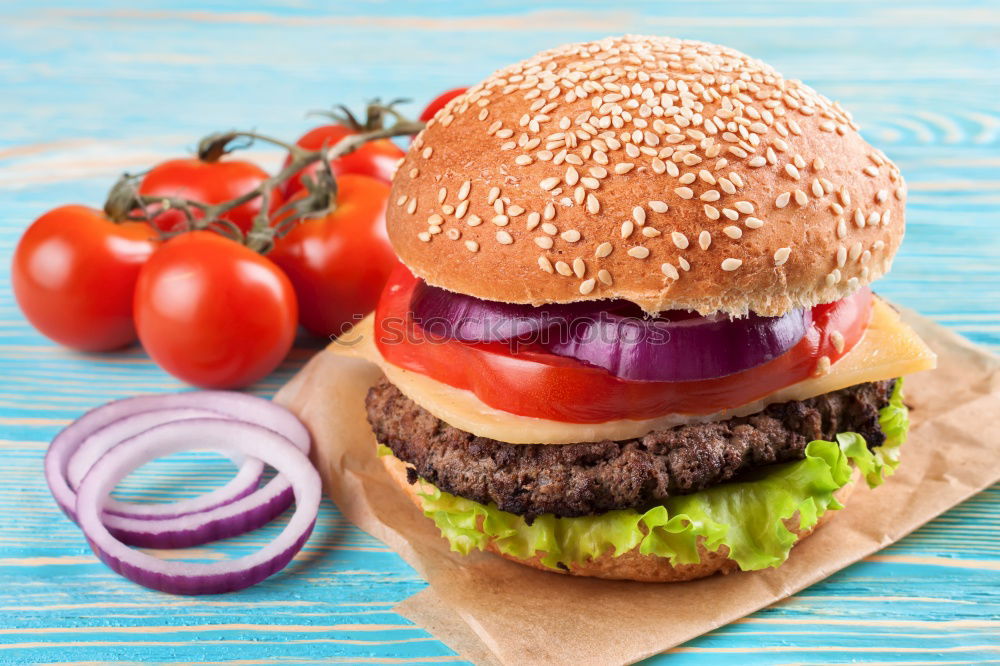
532, 382
74, 272
209, 183
339, 262
213, 312
439, 102
376, 159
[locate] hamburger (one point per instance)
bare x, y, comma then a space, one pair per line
632, 336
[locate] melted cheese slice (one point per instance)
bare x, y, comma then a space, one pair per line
888, 349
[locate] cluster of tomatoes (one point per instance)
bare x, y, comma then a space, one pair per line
205, 306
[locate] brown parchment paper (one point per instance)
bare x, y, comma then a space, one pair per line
493, 611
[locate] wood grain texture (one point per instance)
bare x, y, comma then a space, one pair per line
86, 92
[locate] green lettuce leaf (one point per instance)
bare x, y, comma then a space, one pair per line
746, 517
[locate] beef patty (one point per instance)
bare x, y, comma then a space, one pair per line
591, 478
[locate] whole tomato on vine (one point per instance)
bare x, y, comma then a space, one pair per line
74, 272
339, 261
213, 312
208, 179
376, 159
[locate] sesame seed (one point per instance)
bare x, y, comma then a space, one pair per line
757, 162
744, 207
792, 171
428, 151
841, 228
639, 215
587, 286
624, 167
533, 221
474, 221
563, 268
579, 267
603, 250
855, 251
870, 171
543, 242
711, 212
472, 246
549, 212
453, 234
593, 205
781, 255
411, 207
670, 271
424, 236
523, 160
841, 256
837, 338
550, 228
639, 252
435, 219
782, 199
570, 236
572, 176
733, 231
704, 240
545, 264
822, 366
684, 263
731, 264
604, 276
500, 220
658, 206
504, 238
687, 178
491, 197
684, 192
801, 198
548, 183
859, 218
710, 195
627, 228
401, 200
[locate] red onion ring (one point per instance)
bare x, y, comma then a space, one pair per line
681, 349
615, 335
252, 441
238, 406
99, 442
450, 315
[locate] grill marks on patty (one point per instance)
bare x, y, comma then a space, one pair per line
591, 478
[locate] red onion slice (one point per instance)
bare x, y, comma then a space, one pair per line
448, 315
252, 441
238, 406
678, 346
95, 445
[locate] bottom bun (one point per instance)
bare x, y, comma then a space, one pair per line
631, 565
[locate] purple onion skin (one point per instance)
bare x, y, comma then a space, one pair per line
215, 530
448, 315
676, 346
688, 349
202, 585
248, 490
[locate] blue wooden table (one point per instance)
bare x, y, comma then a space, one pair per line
90, 89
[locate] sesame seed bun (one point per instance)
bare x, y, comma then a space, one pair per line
671, 173
631, 565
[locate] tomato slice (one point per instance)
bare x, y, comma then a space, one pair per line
533, 382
